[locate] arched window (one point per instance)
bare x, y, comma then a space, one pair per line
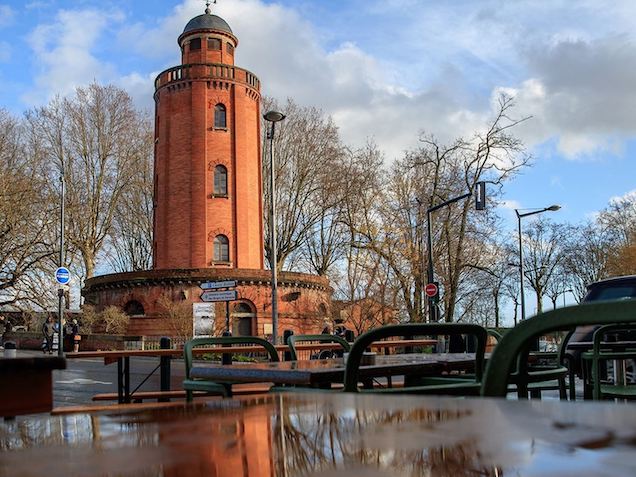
219, 116
220, 180
134, 308
221, 249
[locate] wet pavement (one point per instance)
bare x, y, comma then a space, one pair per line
83, 378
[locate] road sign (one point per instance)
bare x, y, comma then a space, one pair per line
62, 275
215, 285
227, 295
431, 290
202, 309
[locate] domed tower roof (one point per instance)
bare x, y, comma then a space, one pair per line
207, 21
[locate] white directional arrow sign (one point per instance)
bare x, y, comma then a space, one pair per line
214, 285
227, 295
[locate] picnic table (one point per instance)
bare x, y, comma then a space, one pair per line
330, 434
27, 385
125, 391
324, 372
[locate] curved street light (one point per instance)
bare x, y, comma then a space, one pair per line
552, 208
273, 117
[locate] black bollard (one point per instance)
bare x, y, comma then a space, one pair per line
226, 358
164, 365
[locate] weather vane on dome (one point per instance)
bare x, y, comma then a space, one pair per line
207, 6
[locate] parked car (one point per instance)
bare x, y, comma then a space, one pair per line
617, 288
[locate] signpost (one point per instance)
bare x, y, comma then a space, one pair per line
213, 293
62, 276
431, 290
203, 315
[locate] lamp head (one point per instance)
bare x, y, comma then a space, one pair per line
553, 208
273, 116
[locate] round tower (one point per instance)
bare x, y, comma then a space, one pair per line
208, 214
208, 197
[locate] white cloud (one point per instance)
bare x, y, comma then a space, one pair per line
509, 204
63, 55
5, 51
441, 70
6, 15
627, 197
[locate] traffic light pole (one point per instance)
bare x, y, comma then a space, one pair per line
433, 310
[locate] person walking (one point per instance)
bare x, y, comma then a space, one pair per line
48, 329
76, 335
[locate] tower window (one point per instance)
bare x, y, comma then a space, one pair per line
214, 44
230, 48
195, 44
220, 180
219, 116
221, 249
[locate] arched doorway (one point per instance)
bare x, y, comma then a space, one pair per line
243, 318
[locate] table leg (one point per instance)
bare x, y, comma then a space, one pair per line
127, 380
120, 381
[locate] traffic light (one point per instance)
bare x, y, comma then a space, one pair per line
480, 196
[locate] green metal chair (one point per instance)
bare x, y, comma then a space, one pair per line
599, 355
222, 389
445, 385
515, 344
533, 379
294, 339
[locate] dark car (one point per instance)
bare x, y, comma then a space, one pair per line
618, 288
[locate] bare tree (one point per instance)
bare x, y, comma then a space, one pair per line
431, 175
306, 147
26, 217
130, 240
544, 252
586, 256
99, 142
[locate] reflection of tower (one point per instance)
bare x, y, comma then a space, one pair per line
208, 207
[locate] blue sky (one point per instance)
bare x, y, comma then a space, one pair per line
384, 69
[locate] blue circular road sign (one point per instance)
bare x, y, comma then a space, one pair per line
62, 276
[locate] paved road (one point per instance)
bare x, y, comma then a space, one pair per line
84, 378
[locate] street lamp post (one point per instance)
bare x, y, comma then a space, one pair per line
273, 117
552, 208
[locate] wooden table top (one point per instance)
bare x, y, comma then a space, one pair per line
27, 363
322, 371
330, 435
176, 353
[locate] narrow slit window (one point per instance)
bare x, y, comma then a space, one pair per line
221, 249
220, 180
220, 116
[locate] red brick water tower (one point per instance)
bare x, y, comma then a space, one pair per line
208, 209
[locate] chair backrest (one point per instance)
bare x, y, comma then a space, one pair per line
293, 339
504, 357
228, 341
601, 332
410, 330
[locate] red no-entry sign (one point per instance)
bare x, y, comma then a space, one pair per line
430, 289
